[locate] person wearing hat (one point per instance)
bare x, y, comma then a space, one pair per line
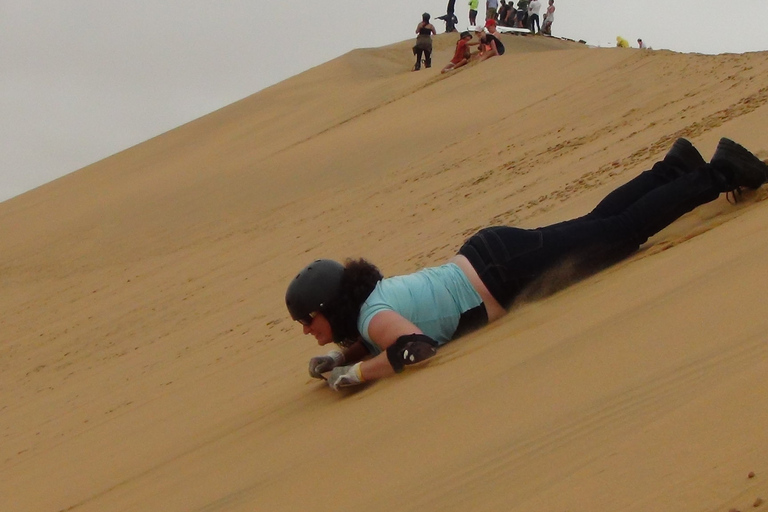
490, 44
382, 325
462, 53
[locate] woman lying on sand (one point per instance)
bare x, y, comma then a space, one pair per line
383, 325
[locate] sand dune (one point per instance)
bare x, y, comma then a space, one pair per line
147, 361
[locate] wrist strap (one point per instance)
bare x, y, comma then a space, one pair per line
359, 371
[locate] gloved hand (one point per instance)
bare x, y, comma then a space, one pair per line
321, 364
345, 376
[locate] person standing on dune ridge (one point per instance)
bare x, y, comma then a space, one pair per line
423, 47
491, 6
533, 16
473, 4
449, 17
549, 18
521, 21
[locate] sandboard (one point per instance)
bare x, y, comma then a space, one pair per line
513, 30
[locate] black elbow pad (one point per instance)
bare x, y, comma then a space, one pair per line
410, 349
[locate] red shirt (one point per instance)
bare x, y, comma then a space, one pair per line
461, 49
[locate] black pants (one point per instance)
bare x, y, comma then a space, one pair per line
427, 58
534, 20
511, 261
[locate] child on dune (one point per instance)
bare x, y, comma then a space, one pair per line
461, 55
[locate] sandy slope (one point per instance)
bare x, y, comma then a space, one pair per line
147, 362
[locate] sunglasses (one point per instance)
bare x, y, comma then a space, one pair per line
308, 321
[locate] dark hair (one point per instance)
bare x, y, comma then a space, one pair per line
425, 17
359, 279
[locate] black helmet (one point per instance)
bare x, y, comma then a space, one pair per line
312, 288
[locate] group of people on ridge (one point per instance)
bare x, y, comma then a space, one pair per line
525, 15
623, 43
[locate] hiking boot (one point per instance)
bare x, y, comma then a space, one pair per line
684, 156
739, 167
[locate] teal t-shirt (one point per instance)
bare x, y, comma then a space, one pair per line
433, 299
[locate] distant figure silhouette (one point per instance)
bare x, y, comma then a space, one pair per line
449, 17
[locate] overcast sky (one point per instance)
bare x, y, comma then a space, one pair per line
83, 79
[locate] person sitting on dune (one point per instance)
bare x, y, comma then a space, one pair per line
383, 324
490, 45
462, 53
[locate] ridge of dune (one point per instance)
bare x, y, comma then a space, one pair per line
147, 362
